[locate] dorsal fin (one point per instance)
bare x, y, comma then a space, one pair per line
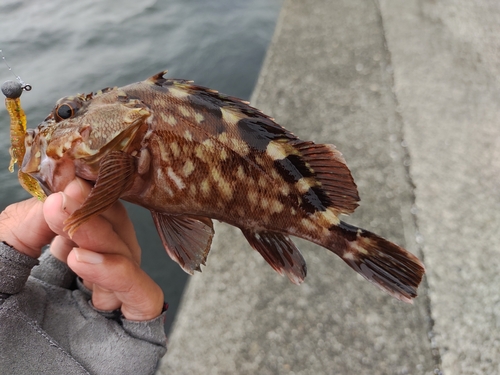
201, 96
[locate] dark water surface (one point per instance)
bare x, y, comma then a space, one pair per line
62, 48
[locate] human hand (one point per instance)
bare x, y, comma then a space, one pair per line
105, 253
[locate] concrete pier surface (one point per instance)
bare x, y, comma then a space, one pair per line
409, 92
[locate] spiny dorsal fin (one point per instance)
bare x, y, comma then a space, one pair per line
158, 79
207, 95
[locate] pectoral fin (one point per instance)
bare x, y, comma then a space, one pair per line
186, 239
115, 176
280, 252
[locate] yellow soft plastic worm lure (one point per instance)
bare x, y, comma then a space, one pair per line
12, 91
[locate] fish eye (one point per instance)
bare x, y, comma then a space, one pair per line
66, 109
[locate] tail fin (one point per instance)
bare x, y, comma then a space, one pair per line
385, 264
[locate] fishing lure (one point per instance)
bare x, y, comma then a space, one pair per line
12, 91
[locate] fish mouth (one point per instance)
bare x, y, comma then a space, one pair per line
35, 157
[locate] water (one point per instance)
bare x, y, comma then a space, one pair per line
62, 48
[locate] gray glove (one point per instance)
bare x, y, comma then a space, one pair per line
49, 326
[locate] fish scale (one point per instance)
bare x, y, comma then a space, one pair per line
190, 154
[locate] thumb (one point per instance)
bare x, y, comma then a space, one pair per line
14, 221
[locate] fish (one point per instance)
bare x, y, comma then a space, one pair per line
192, 155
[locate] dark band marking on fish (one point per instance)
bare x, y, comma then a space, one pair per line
258, 132
315, 199
350, 231
207, 104
292, 168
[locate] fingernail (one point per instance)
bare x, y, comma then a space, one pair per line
87, 256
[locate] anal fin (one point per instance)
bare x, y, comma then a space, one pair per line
186, 239
114, 178
280, 252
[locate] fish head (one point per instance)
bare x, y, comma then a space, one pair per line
79, 132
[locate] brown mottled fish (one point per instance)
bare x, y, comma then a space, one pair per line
190, 154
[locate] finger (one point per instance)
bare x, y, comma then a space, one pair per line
78, 189
140, 296
13, 223
104, 299
61, 247
120, 222
55, 211
96, 234
117, 215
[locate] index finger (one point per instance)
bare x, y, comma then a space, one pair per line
116, 215
96, 234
